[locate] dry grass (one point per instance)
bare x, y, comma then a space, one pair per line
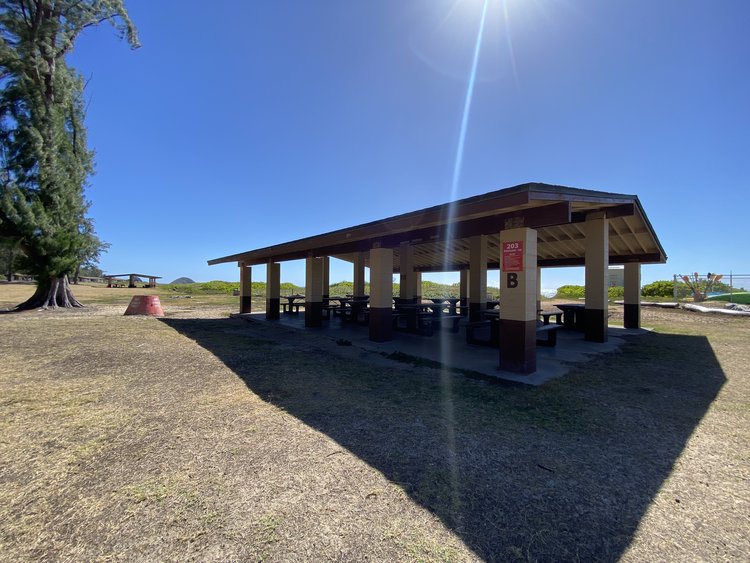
203, 437
101, 300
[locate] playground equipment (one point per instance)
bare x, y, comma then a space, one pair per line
700, 286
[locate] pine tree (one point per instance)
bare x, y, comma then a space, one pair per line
45, 160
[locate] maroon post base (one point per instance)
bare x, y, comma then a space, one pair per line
313, 314
518, 346
632, 315
272, 308
245, 304
381, 324
595, 325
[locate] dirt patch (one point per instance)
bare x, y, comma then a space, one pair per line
204, 437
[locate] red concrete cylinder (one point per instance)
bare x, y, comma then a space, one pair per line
145, 305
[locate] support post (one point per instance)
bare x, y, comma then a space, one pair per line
597, 264
632, 307
418, 287
359, 275
313, 292
463, 292
273, 290
381, 294
518, 309
407, 287
246, 286
326, 276
538, 289
477, 277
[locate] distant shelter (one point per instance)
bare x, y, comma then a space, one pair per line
118, 280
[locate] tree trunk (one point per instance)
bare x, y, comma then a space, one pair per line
11, 258
53, 292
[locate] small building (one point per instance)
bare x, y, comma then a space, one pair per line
616, 276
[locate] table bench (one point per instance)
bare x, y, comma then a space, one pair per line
329, 310
548, 332
289, 308
547, 314
473, 327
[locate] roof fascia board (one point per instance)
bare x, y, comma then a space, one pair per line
534, 217
425, 217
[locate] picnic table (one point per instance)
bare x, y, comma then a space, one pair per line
415, 316
351, 308
329, 307
291, 306
463, 306
451, 303
574, 315
423, 317
547, 314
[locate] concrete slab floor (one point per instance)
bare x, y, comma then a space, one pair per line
448, 349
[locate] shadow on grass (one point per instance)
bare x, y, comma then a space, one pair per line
561, 472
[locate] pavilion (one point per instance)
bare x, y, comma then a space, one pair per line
517, 230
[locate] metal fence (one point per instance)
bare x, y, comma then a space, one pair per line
699, 287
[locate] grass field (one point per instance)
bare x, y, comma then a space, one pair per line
741, 297
200, 437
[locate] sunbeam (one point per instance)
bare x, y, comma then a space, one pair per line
446, 377
467, 106
509, 41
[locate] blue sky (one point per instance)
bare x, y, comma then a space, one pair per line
239, 124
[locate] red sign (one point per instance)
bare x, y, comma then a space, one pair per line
513, 256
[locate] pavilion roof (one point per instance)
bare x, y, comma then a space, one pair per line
440, 234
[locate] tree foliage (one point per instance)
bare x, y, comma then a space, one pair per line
43, 153
8, 253
90, 252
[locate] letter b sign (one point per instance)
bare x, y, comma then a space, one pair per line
512, 280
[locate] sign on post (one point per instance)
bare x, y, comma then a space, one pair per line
513, 256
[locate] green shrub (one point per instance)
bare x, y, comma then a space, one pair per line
616, 292
217, 286
344, 288
288, 288
434, 290
570, 292
662, 288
